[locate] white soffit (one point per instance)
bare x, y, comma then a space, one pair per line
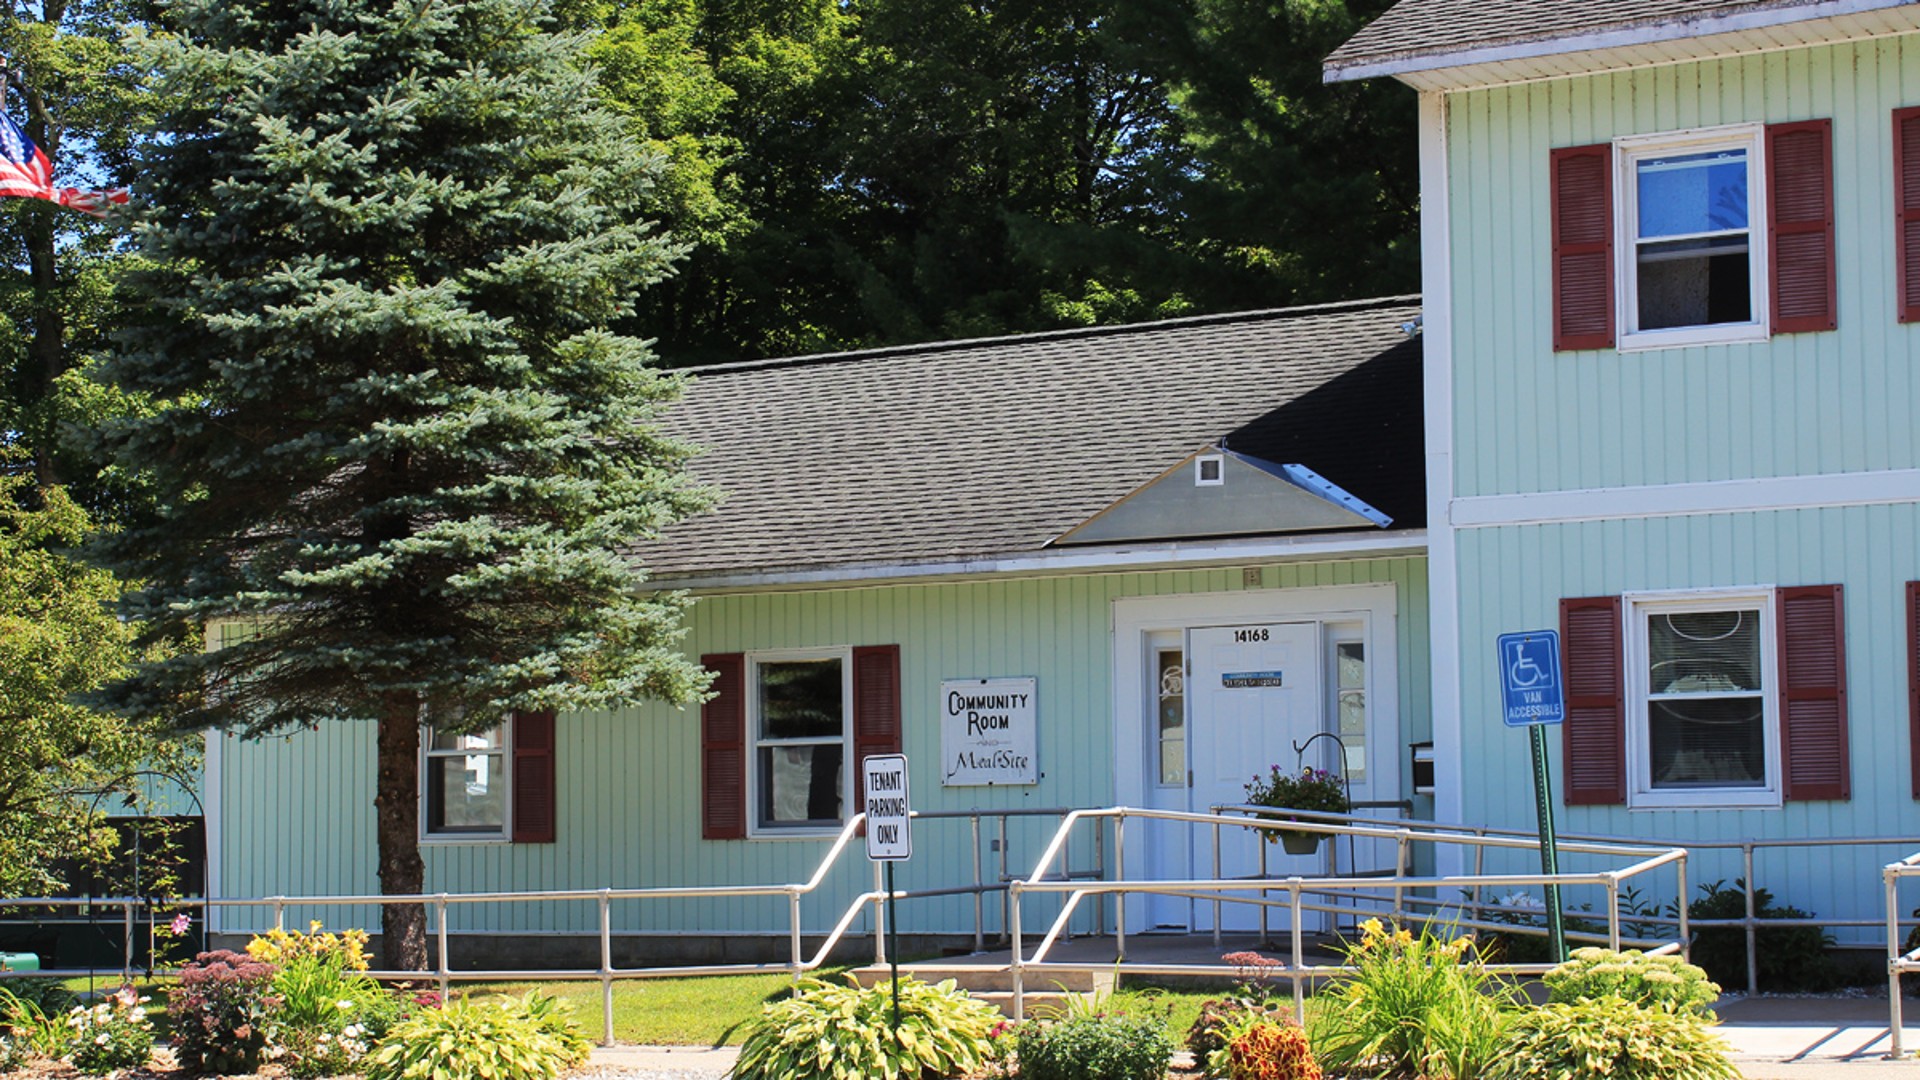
1705, 37
1241, 496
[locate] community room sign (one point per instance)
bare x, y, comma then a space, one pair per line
987, 732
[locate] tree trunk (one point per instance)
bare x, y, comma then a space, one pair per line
396, 803
47, 347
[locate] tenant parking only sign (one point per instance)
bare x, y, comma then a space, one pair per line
883, 777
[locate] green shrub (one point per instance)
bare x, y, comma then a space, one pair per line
1787, 957
829, 1030
328, 1015
1417, 1005
111, 1035
1666, 981
13, 1052
1095, 1046
518, 1039
1609, 1038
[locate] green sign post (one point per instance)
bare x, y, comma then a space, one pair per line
1533, 696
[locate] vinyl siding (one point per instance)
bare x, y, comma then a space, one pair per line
299, 810
1526, 419
1518, 576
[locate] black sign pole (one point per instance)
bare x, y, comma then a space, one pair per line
893, 948
1549, 851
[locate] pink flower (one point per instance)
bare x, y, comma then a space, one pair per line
181, 923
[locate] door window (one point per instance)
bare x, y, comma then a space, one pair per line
1171, 705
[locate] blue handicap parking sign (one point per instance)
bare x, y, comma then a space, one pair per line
1530, 688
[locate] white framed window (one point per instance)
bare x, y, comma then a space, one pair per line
800, 716
1347, 694
1209, 470
464, 785
1168, 701
1703, 719
1690, 208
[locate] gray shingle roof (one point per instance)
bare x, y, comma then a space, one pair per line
1413, 28
996, 446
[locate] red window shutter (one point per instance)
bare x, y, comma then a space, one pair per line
876, 706
1593, 737
535, 795
723, 749
1813, 692
1913, 680
1582, 184
1800, 225
1906, 205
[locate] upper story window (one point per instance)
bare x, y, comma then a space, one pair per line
1702, 237
1693, 251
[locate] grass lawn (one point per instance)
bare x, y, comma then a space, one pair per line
704, 1011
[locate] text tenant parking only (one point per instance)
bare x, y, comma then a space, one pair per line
1532, 696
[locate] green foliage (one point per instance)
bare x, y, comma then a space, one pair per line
218, 1013
327, 1015
1667, 982
13, 1052
32, 1014
1419, 1004
1608, 1038
1788, 957
828, 1030
110, 1035
1094, 1046
1265, 1050
519, 1039
59, 639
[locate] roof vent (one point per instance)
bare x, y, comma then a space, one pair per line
1207, 470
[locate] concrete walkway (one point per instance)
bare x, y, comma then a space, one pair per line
1794, 1038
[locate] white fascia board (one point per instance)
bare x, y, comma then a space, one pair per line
1674, 500
1696, 27
1370, 545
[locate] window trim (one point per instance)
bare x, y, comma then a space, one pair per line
451, 839
1627, 151
751, 689
1637, 608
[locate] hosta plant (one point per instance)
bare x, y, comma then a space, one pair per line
1609, 1038
830, 1030
525, 1038
1666, 981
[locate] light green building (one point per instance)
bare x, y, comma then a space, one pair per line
1672, 271
1121, 566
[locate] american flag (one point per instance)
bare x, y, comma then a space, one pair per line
26, 172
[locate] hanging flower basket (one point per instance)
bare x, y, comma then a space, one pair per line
1300, 843
1309, 789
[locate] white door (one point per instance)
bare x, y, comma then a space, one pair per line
1253, 694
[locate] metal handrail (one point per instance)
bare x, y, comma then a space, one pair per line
444, 975
1297, 887
1750, 922
1899, 961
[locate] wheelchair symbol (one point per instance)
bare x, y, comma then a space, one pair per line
1523, 672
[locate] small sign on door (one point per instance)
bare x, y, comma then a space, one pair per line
1242, 680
